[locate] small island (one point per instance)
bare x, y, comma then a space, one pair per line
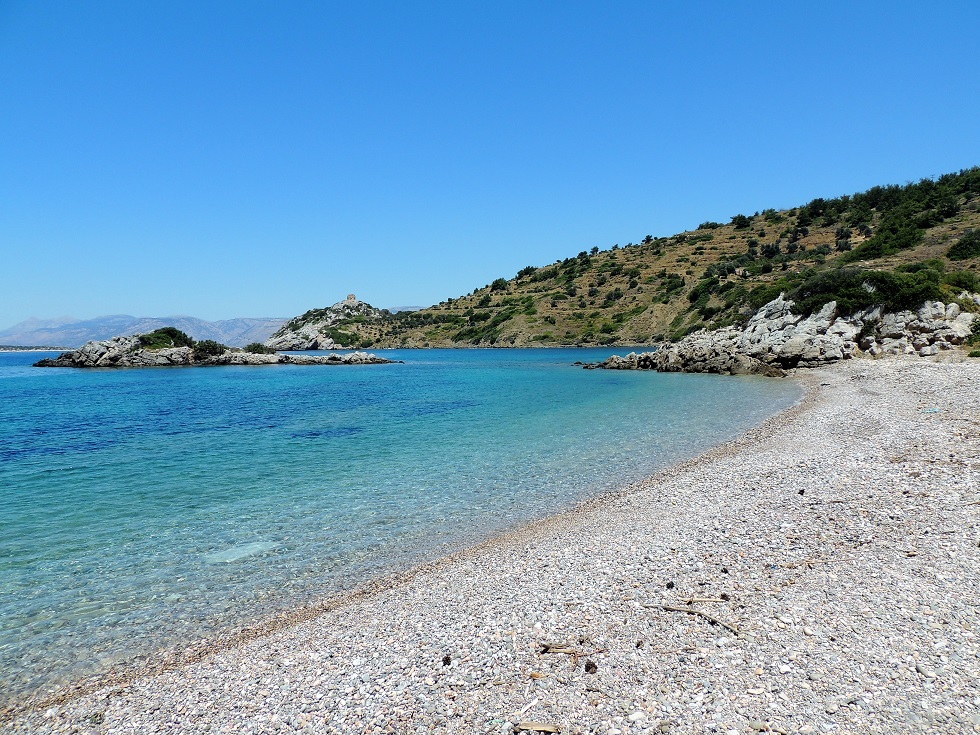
170, 347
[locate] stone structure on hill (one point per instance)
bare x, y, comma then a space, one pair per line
127, 352
776, 339
316, 329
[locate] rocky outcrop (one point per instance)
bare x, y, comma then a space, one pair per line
775, 339
316, 329
127, 352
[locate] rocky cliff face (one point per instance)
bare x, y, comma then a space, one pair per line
318, 329
775, 339
126, 352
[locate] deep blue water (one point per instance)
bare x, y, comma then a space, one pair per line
143, 507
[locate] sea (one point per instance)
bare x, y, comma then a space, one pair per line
140, 509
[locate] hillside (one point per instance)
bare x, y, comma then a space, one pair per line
346, 323
891, 245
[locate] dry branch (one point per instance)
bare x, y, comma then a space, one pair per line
691, 611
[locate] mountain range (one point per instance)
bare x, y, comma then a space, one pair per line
71, 332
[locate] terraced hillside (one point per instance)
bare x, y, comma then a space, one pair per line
891, 245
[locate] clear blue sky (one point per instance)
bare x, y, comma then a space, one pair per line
244, 158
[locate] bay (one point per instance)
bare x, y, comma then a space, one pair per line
146, 507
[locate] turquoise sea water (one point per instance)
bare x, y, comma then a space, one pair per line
144, 507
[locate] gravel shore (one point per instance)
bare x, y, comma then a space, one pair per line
831, 556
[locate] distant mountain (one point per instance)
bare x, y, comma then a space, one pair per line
71, 332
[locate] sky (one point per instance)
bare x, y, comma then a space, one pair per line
241, 158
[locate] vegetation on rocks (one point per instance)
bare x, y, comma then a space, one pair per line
169, 337
165, 337
257, 348
208, 348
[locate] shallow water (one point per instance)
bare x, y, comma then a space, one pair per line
144, 507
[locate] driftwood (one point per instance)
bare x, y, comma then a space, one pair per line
536, 727
559, 648
804, 563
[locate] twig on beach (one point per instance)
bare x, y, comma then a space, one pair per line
975, 502
691, 611
682, 649
558, 648
692, 600
597, 690
562, 648
805, 562
536, 727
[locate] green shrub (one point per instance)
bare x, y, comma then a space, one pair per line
854, 289
208, 348
703, 288
966, 247
762, 295
257, 348
896, 232
165, 337
966, 280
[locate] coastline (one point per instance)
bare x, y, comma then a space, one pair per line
729, 522
33, 349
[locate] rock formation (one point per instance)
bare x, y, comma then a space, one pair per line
315, 330
127, 352
776, 339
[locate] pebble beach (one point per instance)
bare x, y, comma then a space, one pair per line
819, 574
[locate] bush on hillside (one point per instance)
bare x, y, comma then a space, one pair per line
965, 280
854, 289
966, 247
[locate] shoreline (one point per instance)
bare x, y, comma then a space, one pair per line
34, 349
170, 658
490, 606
